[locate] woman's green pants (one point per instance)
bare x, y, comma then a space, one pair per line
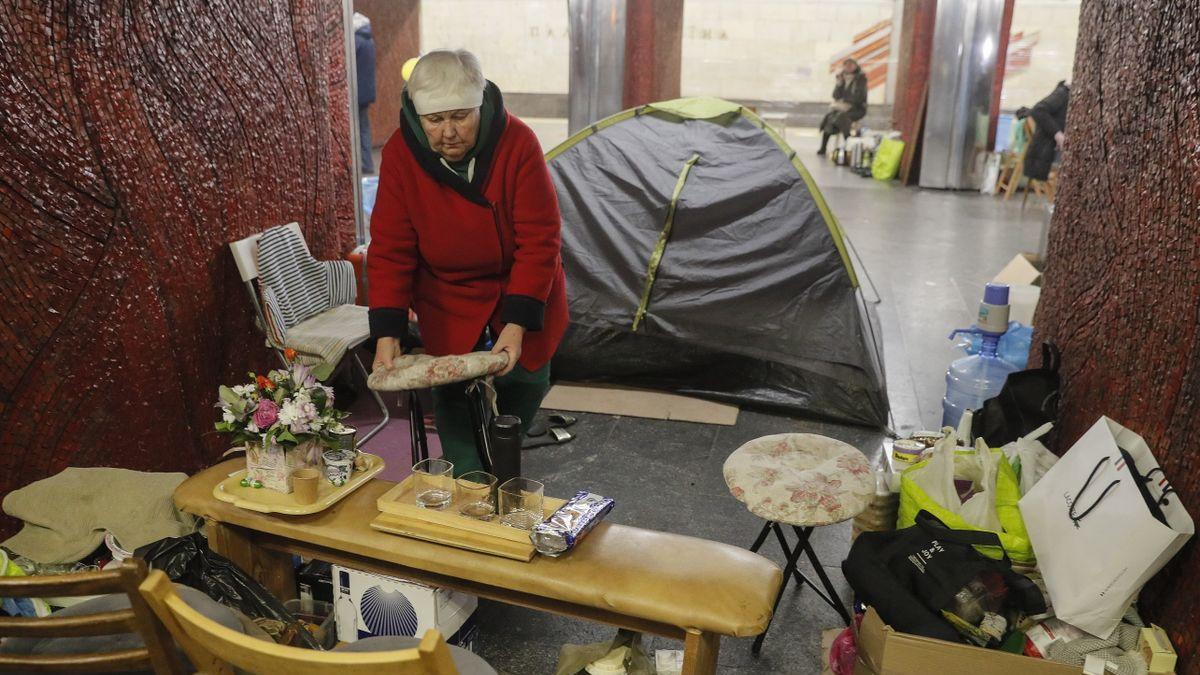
518, 393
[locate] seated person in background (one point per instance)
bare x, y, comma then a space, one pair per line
849, 103
1049, 119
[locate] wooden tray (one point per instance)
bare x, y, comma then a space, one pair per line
273, 501
401, 515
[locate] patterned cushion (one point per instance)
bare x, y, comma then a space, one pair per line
800, 479
421, 371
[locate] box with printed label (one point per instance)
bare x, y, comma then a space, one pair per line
367, 605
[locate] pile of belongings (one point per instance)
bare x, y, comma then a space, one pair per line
1013, 549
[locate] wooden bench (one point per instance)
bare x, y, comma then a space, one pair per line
663, 584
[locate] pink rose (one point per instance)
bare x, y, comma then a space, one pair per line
266, 414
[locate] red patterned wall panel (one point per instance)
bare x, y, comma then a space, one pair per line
1122, 282
136, 140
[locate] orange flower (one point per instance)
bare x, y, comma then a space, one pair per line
264, 383
289, 354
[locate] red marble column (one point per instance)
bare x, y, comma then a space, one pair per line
653, 49
916, 49
396, 27
136, 140
1122, 276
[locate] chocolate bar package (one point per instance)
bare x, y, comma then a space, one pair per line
566, 526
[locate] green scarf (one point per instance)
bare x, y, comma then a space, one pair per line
487, 112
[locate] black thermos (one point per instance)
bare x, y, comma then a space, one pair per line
506, 447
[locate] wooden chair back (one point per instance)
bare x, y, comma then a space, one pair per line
214, 648
158, 654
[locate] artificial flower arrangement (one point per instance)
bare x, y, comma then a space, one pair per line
284, 419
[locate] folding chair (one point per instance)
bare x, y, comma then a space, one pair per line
302, 303
123, 637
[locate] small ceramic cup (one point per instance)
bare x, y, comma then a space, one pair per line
304, 485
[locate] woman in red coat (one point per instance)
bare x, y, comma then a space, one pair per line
465, 231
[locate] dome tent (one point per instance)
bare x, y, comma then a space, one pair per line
702, 259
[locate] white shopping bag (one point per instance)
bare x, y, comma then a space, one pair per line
1095, 535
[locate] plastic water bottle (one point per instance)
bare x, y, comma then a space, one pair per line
972, 380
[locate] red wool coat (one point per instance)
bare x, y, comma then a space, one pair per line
466, 255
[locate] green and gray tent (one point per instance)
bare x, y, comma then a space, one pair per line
701, 258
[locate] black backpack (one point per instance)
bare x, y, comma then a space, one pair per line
1028, 400
908, 575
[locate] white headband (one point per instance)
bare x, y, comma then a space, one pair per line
428, 102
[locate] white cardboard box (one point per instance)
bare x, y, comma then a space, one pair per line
366, 605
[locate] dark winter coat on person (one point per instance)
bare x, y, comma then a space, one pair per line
364, 63
853, 92
1049, 118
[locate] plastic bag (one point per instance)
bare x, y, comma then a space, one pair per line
188, 560
991, 503
886, 164
26, 607
573, 659
991, 174
1029, 458
844, 650
370, 187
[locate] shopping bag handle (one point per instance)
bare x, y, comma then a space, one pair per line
1075, 518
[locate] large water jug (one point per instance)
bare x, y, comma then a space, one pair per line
972, 380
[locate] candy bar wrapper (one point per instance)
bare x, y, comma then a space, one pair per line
566, 526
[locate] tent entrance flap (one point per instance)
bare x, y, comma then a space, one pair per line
663, 238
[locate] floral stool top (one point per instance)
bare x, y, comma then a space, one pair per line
800, 479
421, 371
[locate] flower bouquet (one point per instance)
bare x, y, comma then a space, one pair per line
285, 419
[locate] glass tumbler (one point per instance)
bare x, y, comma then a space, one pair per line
434, 483
521, 503
476, 495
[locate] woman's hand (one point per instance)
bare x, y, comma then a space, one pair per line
386, 349
509, 342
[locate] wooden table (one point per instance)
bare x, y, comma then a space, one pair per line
663, 584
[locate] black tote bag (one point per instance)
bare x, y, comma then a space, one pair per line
1027, 400
907, 575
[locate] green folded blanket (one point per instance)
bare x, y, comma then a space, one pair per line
66, 515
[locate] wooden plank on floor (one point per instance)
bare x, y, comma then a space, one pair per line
629, 402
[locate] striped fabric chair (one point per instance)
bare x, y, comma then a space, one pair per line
303, 303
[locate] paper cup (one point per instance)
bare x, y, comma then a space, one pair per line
304, 485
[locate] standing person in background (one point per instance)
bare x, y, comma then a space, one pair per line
364, 68
1049, 120
849, 103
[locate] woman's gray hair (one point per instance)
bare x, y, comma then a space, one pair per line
446, 79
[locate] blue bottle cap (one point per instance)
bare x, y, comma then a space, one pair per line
995, 294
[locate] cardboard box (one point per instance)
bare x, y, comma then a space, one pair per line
314, 581
1024, 287
367, 605
884, 651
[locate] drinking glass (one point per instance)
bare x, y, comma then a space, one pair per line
476, 495
521, 503
434, 480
